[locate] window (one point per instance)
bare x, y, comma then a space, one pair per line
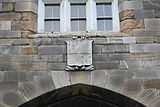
78, 17
104, 16
52, 17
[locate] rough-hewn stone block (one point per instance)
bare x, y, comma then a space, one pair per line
8, 6
5, 25
60, 78
130, 5
106, 65
24, 25
9, 34
152, 24
52, 50
28, 50
26, 6
99, 78
115, 49
130, 24
56, 66
154, 83
132, 87
144, 48
97, 49
127, 14
80, 77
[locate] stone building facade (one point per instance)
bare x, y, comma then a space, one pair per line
125, 61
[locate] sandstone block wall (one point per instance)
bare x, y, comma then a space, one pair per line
18, 15
32, 64
139, 14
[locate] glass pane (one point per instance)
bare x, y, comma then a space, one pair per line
78, 11
74, 25
104, 10
56, 11
52, 11
108, 25
107, 10
82, 11
99, 10
48, 11
100, 25
74, 11
104, 25
82, 25
78, 25
52, 26
56, 26
48, 26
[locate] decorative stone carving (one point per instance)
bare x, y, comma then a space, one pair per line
79, 54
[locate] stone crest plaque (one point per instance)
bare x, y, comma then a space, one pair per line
79, 55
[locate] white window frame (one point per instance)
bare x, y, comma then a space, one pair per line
91, 15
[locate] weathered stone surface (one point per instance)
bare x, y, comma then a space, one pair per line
79, 52
130, 24
25, 16
8, 86
80, 77
115, 49
144, 48
9, 34
117, 79
52, 50
26, 6
152, 24
56, 66
9, 50
127, 14
132, 87
5, 25
44, 82
148, 95
155, 102
130, 5
146, 75
13, 99
60, 78
99, 78
24, 25
28, 50
154, 83
29, 90
97, 49
106, 65
8, 6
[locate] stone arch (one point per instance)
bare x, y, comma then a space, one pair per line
81, 95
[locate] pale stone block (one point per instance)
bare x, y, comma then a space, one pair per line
155, 102
26, 6
5, 25
8, 86
132, 87
129, 40
144, 48
60, 78
29, 90
52, 50
45, 83
13, 99
99, 78
152, 24
129, 5
80, 77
